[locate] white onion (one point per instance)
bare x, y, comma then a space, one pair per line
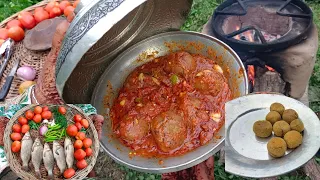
26, 73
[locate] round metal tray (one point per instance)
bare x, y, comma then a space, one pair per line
247, 155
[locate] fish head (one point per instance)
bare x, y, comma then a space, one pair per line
46, 147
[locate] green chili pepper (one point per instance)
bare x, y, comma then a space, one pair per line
174, 79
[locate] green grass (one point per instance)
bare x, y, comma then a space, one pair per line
9, 7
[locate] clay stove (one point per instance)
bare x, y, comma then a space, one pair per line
276, 40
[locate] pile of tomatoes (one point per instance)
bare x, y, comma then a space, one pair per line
37, 115
28, 20
82, 145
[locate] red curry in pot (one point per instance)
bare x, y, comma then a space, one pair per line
171, 105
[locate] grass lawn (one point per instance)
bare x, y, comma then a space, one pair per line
200, 13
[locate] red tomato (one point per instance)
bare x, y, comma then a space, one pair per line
27, 21
79, 126
29, 114
77, 118
39, 9
82, 164
4, 34
79, 154
62, 110
85, 123
46, 114
16, 128
22, 120
56, 11
1, 42
40, 16
80, 136
68, 10
72, 130
37, 110
15, 136
68, 173
78, 144
51, 5
16, 33
25, 128
87, 142
16, 146
14, 23
88, 152
63, 5
45, 108
37, 118
24, 13
75, 4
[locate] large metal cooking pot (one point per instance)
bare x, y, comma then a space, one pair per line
113, 78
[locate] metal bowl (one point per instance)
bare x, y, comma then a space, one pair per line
113, 78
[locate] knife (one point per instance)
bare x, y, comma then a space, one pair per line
6, 87
6, 49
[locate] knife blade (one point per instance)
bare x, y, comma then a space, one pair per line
6, 87
6, 48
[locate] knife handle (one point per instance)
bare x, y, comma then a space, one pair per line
5, 88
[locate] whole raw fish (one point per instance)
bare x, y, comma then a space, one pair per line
69, 151
59, 156
26, 147
48, 160
36, 156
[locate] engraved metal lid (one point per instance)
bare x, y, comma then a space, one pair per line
101, 30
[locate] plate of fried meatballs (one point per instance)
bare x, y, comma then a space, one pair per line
269, 135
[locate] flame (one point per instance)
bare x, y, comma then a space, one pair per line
237, 36
251, 73
270, 68
248, 34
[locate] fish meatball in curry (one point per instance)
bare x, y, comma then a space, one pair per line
169, 130
181, 63
209, 82
133, 129
277, 107
171, 105
289, 115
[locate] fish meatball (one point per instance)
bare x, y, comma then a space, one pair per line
169, 130
277, 107
180, 63
209, 82
133, 130
293, 139
273, 116
289, 115
276, 147
262, 128
280, 128
297, 125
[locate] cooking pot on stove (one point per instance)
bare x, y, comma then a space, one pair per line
101, 48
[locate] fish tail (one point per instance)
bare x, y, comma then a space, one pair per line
50, 174
38, 174
25, 167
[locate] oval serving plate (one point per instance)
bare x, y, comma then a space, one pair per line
247, 155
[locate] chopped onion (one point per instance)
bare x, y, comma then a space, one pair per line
26, 73
43, 130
